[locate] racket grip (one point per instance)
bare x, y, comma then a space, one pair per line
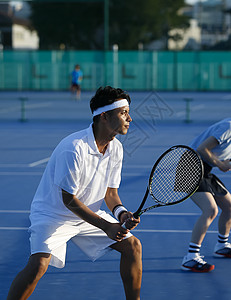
136, 214
124, 225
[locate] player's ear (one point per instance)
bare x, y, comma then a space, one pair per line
103, 116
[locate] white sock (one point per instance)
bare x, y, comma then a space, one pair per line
223, 238
193, 250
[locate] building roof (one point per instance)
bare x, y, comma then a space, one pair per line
7, 20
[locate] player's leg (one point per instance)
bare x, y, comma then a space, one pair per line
193, 261
206, 202
73, 90
78, 92
223, 248
94, 243
130, 266
25, 282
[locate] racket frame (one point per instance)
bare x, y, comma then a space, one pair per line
139, 211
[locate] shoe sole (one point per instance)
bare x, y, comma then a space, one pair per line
198, 271
221, 255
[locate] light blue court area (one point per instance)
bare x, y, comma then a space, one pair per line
28, 136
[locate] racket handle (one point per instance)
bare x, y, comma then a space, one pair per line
124, 225
135, 215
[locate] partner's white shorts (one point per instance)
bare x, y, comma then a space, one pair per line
47, 235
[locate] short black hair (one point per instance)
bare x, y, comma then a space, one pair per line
107, 95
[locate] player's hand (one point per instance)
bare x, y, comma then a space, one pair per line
225, 165
129, 220
116, 232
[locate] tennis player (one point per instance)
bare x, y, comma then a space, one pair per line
214, 146
76, 80
84, 170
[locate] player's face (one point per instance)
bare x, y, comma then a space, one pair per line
119, 120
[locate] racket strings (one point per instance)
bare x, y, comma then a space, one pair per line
176, 176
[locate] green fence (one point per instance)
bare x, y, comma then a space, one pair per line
131, 70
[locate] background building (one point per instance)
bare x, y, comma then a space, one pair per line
16, 31
210, 24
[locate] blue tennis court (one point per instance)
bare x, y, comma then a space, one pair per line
33, 123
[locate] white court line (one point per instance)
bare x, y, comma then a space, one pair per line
13, 165
40, 105
44, 160
171, 214
7, 211
124, 174
168, 231
14, 228
227, 97
137, 166
197, 107
31, 165
39, 162
6, 110
133, 174
135, 230
193, 108
8, 173
20, 173
18, 107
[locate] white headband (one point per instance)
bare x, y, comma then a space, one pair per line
114, 105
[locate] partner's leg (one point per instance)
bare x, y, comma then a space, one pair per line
224, 202
206, 202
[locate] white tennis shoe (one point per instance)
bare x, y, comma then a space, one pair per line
196, 264
222, 250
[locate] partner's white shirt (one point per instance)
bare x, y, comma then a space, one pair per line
78, 167
222, 133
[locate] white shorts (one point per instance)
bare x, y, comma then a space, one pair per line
47, 235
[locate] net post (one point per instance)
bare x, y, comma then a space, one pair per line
187, 110
23, 109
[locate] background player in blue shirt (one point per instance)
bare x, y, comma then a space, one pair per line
77, 76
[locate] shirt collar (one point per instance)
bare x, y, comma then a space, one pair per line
93, 149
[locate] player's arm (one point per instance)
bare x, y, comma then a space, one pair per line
113, 202
113, 230
205, 150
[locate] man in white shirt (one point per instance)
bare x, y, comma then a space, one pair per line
83, 171
214, 146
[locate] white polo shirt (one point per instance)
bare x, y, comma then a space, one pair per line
222, 133
78, 167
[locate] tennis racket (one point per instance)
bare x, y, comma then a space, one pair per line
175, 177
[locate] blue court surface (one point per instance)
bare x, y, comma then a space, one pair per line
33, 123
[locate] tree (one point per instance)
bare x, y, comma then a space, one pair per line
75, 25
135, 21
80, 25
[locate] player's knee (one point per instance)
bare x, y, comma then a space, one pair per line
229, 210
212, 212
38, 266
135, 247
226, 205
